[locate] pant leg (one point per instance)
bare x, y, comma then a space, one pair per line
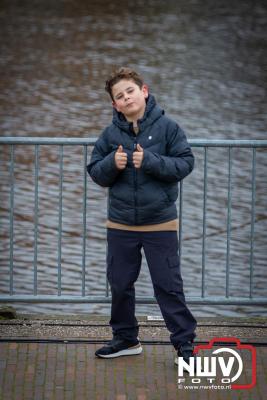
161, 250
123, 267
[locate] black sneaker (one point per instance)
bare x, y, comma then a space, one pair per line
119, 347
186, 350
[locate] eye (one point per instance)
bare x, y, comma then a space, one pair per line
130, 90
119, 97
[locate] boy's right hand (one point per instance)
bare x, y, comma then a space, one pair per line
120, 158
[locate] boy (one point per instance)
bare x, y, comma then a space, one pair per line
140, 157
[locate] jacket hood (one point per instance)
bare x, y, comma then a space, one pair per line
152, 113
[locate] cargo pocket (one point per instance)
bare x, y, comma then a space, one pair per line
176, 282
109, 268
173, 261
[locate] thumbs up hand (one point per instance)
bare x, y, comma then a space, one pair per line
138, 156
120, 158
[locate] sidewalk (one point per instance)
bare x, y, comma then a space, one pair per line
54, 359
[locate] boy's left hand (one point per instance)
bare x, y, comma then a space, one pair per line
138, 156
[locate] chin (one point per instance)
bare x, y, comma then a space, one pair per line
132, 112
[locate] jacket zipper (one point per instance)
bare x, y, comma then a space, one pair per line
135, 188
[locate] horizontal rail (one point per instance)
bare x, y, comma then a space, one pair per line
141, 300
91, 141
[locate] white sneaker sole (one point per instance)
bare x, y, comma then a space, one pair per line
127, 352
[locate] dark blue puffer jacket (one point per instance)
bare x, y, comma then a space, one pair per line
146, 195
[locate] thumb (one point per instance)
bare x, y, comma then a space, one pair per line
120, 149
139, 148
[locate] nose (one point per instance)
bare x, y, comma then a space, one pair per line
126, 96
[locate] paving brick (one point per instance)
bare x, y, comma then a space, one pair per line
55, 371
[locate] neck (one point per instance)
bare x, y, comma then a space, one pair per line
135, 118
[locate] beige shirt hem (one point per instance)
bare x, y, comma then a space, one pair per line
172, 225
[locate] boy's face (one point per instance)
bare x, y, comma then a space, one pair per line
129, 99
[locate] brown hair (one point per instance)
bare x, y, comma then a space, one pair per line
122, 73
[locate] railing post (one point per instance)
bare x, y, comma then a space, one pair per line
253, 197
229, 216
84, 217
36, 183
11, 220
204, 222
60, 217
180, 219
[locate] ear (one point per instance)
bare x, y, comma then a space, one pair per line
145, 91
114, 105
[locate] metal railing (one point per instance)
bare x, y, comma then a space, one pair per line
83, 298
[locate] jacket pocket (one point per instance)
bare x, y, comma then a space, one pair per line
164, 195
151, 195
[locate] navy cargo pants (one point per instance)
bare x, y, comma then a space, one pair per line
123, 267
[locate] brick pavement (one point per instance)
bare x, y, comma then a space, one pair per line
66, 371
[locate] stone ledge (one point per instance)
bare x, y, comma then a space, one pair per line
97, 328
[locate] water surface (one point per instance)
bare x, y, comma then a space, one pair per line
206, 65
